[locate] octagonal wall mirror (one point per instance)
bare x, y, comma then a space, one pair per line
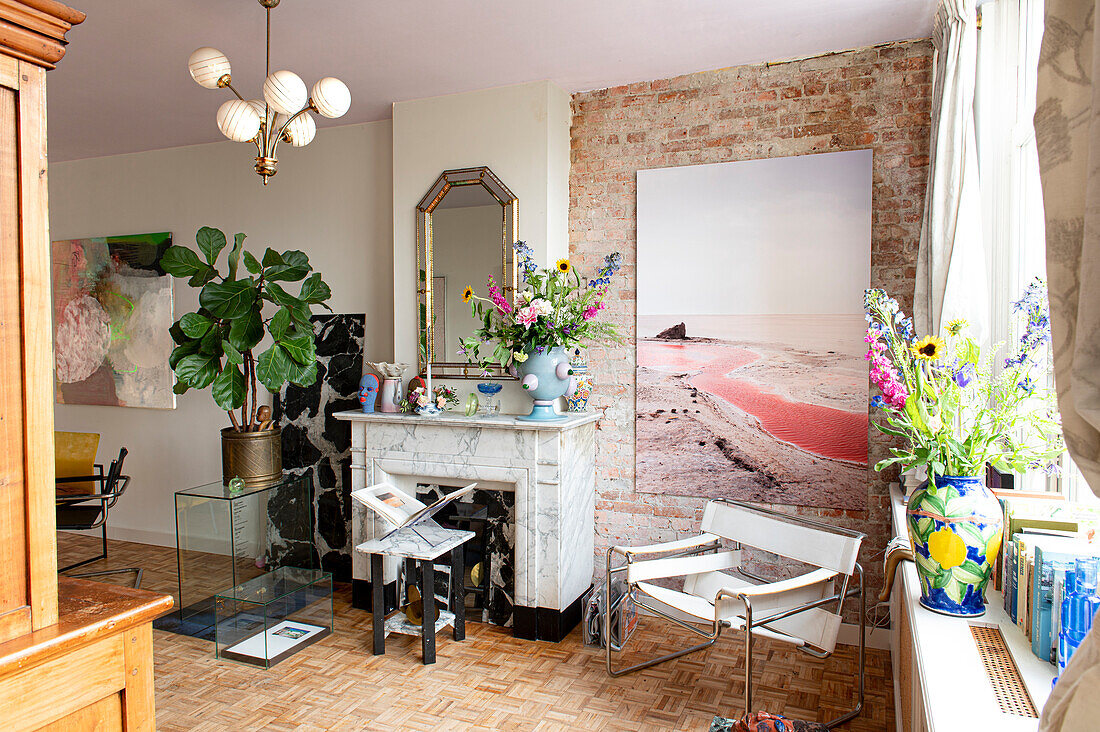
465, 227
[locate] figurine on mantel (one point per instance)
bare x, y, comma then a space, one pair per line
368, 392
391, 394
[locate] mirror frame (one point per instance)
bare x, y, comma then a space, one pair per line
425, 269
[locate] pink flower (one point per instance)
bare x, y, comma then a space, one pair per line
590, 312
503, 306
527, 316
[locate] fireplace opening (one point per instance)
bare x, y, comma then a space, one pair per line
491, 514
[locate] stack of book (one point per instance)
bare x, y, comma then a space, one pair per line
1043, 539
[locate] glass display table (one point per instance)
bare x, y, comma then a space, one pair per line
225, 538
271, 617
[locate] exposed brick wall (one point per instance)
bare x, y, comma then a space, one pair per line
877, 98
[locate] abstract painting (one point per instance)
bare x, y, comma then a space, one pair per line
751, 382
112, 310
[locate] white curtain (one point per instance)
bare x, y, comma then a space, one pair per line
1067, 129
951, 261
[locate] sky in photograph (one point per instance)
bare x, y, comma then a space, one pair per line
780, 236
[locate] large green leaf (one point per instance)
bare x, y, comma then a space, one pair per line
232, 355
314, 290
184, 349
280, 321
272, 258
247, 331
194, 325
229, 388
273, 367
182, 262
198, 370
178, 336
211, 343
211, 241
943, 579
251, 264
228, 300
235, 255
180, 387
300, 348
303, 375
281, 296
291, 266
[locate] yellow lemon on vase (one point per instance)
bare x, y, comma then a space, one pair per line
946, 548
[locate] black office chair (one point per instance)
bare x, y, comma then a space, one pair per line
88, 511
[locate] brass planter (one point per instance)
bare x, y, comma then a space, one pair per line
254, 457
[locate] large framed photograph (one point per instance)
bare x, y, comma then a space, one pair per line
751, 381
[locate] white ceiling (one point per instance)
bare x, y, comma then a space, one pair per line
124, 86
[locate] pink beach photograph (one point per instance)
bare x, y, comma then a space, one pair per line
751, 381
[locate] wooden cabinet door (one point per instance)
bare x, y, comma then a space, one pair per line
28, 551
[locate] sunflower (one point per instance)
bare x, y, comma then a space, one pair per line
930, 348
467, 294
957, 326
563, 266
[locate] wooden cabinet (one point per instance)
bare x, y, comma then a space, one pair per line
86, 662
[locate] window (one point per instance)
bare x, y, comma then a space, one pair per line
1012, 201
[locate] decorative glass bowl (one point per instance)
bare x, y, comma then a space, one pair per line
491, 404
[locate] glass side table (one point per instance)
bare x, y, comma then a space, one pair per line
271, 617
225, 538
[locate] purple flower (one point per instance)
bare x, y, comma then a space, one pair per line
964, 375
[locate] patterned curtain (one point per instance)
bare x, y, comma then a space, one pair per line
951, 262
1067, 130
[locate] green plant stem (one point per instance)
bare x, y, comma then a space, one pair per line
233, 419
252, 390
246, 425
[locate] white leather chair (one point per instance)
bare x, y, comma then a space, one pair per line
718, 592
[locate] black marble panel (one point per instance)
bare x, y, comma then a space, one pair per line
316, 444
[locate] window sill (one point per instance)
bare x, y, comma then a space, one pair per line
948, 688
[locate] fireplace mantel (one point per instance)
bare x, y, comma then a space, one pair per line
550, 466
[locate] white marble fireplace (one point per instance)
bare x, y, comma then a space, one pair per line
551, 468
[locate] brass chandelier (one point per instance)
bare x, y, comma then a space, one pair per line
284, 112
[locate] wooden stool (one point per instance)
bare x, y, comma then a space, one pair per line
422, 544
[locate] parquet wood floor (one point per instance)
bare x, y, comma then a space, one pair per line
490, 681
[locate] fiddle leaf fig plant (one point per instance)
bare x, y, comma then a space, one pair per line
215, 346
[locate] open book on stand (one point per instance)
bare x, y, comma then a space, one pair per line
404, 511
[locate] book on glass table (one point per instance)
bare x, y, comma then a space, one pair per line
403, 510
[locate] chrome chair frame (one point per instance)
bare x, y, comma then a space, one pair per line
710, 542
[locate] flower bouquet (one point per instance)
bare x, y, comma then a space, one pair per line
555, 310
955, 415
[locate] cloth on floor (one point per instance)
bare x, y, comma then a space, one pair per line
764, 722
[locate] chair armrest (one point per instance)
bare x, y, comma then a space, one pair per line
777, 588
693, 542
80, 478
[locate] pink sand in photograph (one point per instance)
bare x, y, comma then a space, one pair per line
825, 431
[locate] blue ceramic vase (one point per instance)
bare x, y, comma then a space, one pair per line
955, 526
545, 376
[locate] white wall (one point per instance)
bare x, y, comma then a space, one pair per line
522, 133
331, 200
